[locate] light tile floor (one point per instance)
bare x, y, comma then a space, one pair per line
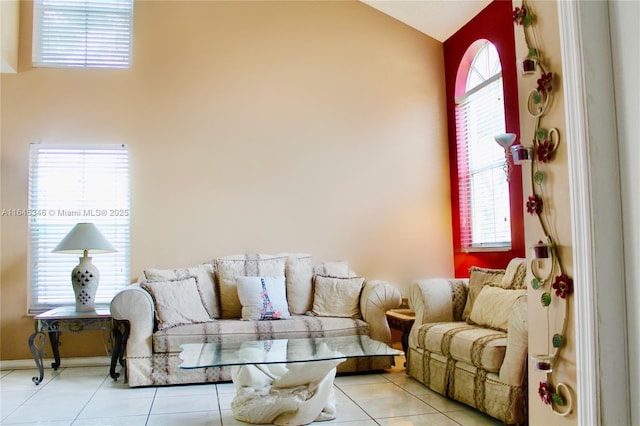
88, 396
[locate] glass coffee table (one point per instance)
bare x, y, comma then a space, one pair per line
284, 381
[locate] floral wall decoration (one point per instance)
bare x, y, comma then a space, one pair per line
549, 276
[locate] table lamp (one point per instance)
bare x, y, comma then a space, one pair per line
85, 276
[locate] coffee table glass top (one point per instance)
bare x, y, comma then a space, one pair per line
200, 355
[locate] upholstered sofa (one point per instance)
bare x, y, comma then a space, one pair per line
241, 298
469, 339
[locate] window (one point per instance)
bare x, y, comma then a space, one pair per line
82, 33
483, 188
493, 28
68, 185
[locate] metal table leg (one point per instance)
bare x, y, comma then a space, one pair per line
120, 333
54, 339
37, 341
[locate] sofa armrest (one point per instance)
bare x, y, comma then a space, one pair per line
436, 300
135, 305
514, 366
376, 299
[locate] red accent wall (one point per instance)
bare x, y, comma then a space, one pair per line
494, 23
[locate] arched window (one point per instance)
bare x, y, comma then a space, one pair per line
481, 84
484, 207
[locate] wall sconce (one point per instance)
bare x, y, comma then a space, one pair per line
505, 140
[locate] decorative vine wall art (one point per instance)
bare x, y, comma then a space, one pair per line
549, 275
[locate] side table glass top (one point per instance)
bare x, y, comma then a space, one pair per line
279, 351
69, 312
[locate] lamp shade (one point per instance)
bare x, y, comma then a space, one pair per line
84, 236
505, 139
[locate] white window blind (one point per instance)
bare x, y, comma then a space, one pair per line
82, 33
482, 185
68, 185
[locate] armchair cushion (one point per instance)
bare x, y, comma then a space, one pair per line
493, 307
481, 347
515, 273
478, 278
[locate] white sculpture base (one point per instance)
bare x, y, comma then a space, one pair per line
285, 394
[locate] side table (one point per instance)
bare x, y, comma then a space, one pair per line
402, 320
55, 321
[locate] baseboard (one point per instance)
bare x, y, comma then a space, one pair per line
26, 364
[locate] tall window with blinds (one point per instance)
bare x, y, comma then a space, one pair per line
482, 185
87, 33
69, 185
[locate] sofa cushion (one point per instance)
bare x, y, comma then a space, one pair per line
205, 276
230, 267
337, 297
263, 298
478, 278
299, 273
177, 302
478, 346
297, 327
514, 274
339, 268
494, 305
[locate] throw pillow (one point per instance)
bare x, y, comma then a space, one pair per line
478, 278
205, 276
250, 265
177, 302
299, 273
262, 298
493, 306
337, 297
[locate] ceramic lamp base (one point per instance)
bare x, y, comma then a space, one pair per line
85, 278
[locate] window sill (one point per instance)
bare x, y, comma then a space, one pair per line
496, 249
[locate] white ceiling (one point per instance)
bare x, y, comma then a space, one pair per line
436, 18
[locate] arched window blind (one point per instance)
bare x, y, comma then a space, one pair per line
68, 185
82, 33
483, 188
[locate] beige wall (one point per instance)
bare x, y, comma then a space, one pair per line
9, 17
555, 193
253, 127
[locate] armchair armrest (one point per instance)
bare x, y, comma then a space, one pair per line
376, 299
436, 300
135, 305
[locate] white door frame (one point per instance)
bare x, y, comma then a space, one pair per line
598, 255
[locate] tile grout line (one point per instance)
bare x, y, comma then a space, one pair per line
416, 396
357, 405
38, 388
219, 405
76, 418
153, 401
